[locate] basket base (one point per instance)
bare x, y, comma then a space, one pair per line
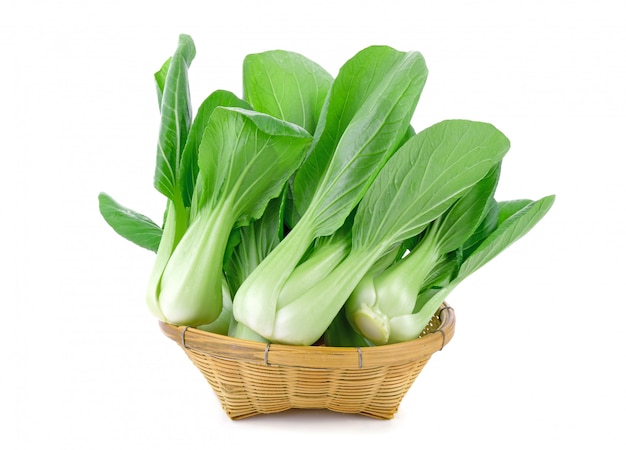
356, 391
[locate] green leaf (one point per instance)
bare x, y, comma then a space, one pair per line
509, 207
286, 85
159, 78
255, 242
175, 119
509, 231
129, 224
188, 172
365, 118
290, 87
424, 178
460, 222
247, 157
486, 227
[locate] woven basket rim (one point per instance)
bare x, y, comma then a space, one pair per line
314, 357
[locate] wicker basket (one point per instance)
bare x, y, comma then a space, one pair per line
253, 378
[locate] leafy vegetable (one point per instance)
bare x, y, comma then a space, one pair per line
310, 208
380, 296
410, 326
245, 158
355, 145
175, 107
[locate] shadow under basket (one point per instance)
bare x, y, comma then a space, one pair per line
253, 378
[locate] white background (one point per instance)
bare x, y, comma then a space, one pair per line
538, 357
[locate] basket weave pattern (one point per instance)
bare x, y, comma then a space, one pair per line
253, 378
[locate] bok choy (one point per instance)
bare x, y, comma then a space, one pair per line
310, 209
366, 116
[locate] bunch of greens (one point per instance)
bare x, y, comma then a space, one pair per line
310, 209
